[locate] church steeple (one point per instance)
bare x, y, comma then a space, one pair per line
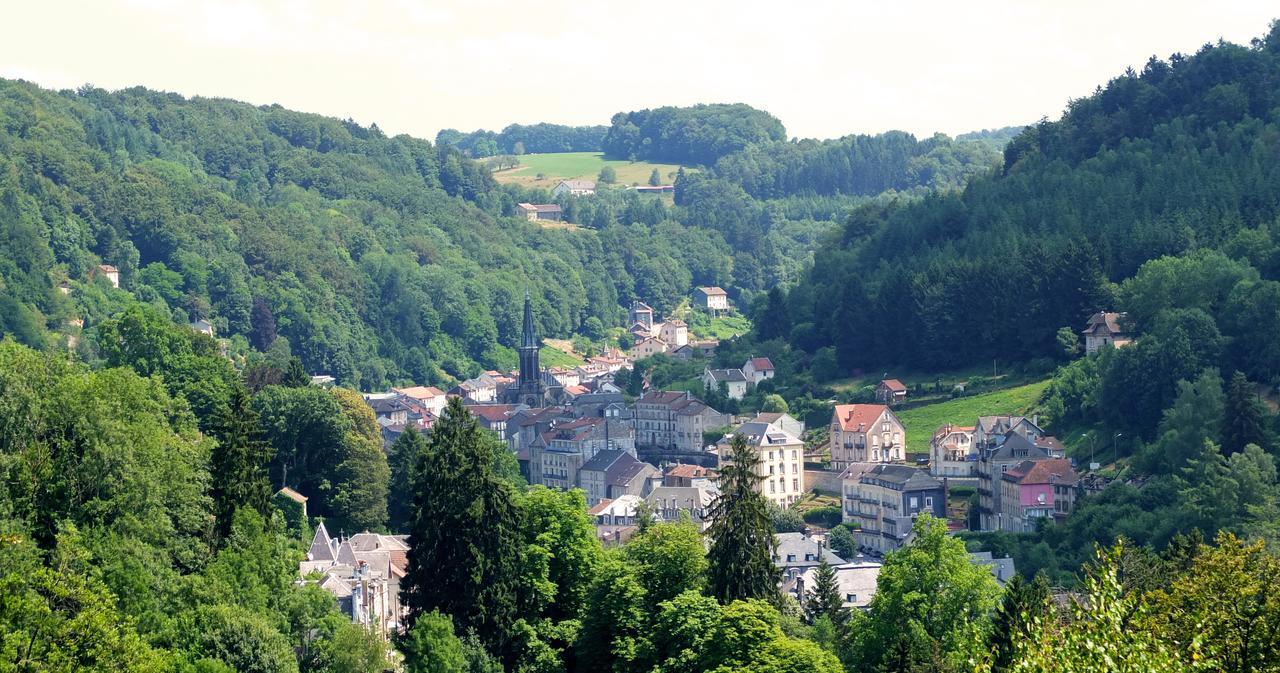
529, 339
531, 389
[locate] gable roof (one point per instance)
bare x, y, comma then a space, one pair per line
292, 495
690, 471
895, 385
911, 478
578, 184
727, 375
539, 207
321, 545
851, 416
420, 392
1106, 323
713, 291
760, 364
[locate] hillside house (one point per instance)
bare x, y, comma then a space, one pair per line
885, 501
891, 391
675, 332
713, 299
674, 420
686, 475
648, 347
574, 188
204, 327
952, 452
735, 382
757, 370
781, 420
540, 211
112, 274
994, 462
1106, 329
1033, 491
781, 462
865, 433
991, 431
641, 313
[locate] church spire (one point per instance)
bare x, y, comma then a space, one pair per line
529, 339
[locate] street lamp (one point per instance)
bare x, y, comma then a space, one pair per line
1115, 455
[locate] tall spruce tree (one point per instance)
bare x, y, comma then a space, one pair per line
1245, 419
1022, 605
742, 542
238, 463
465, 547
408, 449
823, 598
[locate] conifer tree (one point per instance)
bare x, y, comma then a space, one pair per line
824, 597
465, 535
1022, 606
295, 375
741, 555
408, 449
655, 178
1245, 419
238, 464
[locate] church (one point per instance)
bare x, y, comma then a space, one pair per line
534, 387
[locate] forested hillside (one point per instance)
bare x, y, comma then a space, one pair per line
376, 258
525, 139
1176, 158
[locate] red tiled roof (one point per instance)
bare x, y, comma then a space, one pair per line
895, 385
420, 392
689, 471
853, 415
599, 507
1054, 470
761, 364
712, 291
494, 413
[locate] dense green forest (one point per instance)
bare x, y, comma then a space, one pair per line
525, 139
700, 134
375, 259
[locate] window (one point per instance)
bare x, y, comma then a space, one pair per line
771, 487
793, 454
794, 468
770, 469
915, 502
811, 557
851, 598
928, 502
795, 484
791, 558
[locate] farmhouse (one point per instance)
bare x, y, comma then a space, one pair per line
711, 299
574, 188
891, 391
540, 211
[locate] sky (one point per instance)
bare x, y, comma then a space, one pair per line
825, 68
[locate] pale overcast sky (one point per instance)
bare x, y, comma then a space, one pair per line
826, 68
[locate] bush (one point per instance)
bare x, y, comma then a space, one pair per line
786, 520
827, 517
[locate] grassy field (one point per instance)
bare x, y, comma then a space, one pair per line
722, 327
579, 165
922, 421
549, 356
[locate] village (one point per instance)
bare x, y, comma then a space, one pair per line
658, 456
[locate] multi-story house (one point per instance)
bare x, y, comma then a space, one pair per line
865, 433
885, 500
1036, 490
712, 299
781, 460
994, 462
613, 473
733, 380
991, 431
952, 452
668, 503
757, 370
674, 332
1106, 329
795, 553
674, 420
